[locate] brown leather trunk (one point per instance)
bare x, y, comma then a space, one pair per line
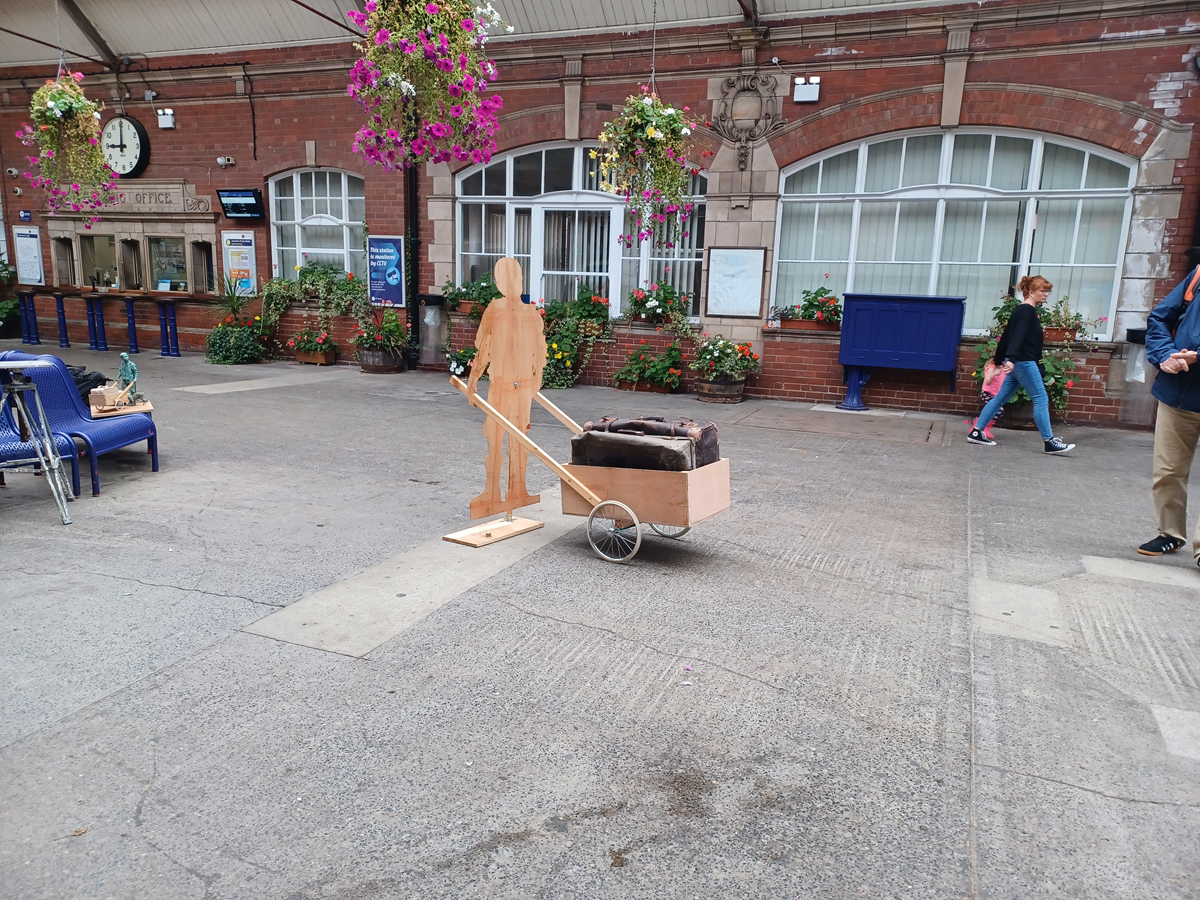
617, 450
702, 434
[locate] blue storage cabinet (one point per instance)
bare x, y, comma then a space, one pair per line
897, 331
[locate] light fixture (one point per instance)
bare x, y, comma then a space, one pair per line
166, 118
807, 89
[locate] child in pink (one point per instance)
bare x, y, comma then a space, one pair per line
993, 378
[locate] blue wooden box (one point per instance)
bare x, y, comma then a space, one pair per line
897, 331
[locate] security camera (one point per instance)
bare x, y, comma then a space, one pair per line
224, 161
221, 161
17, 191
774, 60
12, 172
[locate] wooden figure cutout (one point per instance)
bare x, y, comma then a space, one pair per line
512, 351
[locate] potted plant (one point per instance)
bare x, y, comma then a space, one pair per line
422, 79
476, 294
644, 160
572, 329
69, 163
656, 373
722, 366
1061, 324
381, 342
659, 302
314, 346
817, 310
459, 361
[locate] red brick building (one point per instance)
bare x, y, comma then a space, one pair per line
926, 148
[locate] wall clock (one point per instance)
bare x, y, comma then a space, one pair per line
126, 146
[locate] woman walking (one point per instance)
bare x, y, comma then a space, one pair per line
1019, 354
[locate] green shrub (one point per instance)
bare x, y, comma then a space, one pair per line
232, 345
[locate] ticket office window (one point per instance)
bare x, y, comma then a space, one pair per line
168, 264
131, 265
203, 272
64, 262
98, 260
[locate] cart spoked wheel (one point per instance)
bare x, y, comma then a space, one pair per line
614, 531
671, 531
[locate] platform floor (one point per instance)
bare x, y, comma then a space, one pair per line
900, 666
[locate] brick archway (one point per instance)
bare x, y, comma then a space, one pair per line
1126, 128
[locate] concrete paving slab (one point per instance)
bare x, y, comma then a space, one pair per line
1180, 730
1019, 611
1150, 572
355, 616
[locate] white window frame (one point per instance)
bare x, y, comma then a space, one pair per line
316, 219
539, 204
944, 191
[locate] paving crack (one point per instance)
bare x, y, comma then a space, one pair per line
174, 587
1174, 804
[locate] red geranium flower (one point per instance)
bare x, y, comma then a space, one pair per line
1070, 384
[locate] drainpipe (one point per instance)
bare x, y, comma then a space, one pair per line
414, 256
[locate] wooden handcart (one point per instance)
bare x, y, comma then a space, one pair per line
617, 501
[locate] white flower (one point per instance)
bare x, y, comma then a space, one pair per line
686, 132
670, 110
510, 29
647, 101
49, 102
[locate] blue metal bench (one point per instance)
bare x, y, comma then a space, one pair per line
68, 415
16, 452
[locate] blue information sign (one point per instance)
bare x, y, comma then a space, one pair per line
385, 265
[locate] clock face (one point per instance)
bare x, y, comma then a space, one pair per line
126, 146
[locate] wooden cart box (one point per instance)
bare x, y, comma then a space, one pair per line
664, 498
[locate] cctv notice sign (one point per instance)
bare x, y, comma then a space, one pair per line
241, 264
385, 264
27, 248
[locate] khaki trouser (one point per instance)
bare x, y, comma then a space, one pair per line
1175, 435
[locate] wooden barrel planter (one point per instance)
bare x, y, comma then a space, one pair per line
722, 390
381, 362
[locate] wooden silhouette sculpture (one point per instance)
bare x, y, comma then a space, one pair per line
512, 351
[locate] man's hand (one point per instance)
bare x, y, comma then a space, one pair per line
1179, 361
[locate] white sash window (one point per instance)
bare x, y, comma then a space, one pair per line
960, 214
317, 218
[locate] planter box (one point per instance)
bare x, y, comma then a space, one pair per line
381, 362
1058, 335
643, 386
324, 358
808, 325
721, 390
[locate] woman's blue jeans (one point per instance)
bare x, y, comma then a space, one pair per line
1028, 376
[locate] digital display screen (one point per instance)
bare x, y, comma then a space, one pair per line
241, 204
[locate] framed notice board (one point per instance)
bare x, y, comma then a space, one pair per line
735, 281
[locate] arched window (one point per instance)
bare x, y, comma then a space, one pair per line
959, 213
317, 217
544, 207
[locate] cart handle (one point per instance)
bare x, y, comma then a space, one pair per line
557, 413
516, 434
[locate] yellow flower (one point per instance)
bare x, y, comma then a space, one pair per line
555, 346
258, 318
592, 154
568, 364
558, 355
650, 131
297, 268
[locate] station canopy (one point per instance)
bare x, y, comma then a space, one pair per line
108, 31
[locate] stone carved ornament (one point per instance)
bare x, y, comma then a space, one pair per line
748, 111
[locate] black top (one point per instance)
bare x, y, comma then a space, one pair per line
1022, 338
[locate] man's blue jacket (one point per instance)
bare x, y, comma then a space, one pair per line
1175, 325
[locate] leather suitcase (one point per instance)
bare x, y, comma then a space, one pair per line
618, 450
702, 434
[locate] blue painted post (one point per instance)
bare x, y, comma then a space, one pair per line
34, 338
162, 329
101, 340
173, 330
855, 377
62, 322
23, 299
91, 314
133, 347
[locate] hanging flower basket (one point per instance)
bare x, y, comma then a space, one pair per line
70, 164
644, 159
421, 80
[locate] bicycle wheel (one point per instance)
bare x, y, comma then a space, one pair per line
614, 531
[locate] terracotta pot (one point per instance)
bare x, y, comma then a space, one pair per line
643, 386
721, 390
324, 358
1058, 335
381, 362
808, 325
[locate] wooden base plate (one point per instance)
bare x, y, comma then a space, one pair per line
489, 532
101, 412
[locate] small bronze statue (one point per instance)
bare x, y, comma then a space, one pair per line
127, 378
